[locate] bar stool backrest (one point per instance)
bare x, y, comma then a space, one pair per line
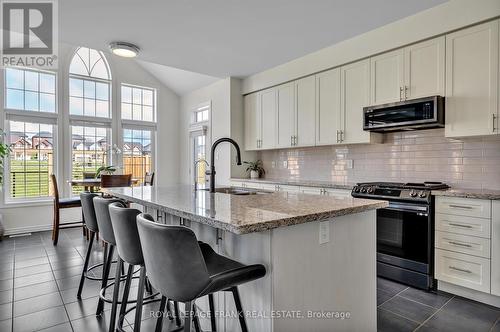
128, 244
101, 206
88, 210
173, 259
149, 178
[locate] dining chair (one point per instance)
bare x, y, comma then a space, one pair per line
109, 181
149, 178
63, 203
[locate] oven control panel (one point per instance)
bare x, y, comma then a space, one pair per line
373, 191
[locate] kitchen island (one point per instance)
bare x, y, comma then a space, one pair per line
319, 252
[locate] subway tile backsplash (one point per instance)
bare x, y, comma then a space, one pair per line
416, 156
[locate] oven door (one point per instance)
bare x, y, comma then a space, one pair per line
404, 236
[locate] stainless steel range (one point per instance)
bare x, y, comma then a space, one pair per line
405, 230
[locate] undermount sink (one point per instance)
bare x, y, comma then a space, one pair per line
237, 191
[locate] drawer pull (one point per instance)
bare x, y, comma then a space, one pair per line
461, 206
460, 244
459, 269
460, 225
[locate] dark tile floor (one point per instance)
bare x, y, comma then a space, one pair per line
38, 285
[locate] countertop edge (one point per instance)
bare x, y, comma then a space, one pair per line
303, 183
467, 193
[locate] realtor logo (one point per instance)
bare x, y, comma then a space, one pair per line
29, 34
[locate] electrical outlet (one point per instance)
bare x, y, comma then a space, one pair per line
285, 164
324, 232
349, 164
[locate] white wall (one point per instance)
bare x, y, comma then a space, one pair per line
451, 15
227, 121
25, 217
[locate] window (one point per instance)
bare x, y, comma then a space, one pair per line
89, 84
138, 103
89, 146
201, 115
137, 157
200, 138
30, 90
199, 149
32, 159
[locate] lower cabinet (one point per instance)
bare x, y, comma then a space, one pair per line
495, 248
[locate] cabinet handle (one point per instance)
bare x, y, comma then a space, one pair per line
406, 91
338, 136
459, 225
400, 93
291, 140
459, 244
461, 206
341, 136
494, 120
295, 140
459, 269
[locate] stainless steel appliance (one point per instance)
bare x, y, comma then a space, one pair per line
405, 230
422, 113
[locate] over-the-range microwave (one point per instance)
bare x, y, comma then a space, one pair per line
421, 113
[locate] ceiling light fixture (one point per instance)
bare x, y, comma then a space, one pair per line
124, 49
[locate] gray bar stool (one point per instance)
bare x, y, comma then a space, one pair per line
124, 222
183, 269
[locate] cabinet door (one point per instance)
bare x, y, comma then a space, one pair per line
328, 113
424, 69
495, 248
355, 94
252, 121
269, 124
387, 77
306, 111
472, 81
286, 115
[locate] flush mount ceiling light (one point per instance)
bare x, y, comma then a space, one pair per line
124, 49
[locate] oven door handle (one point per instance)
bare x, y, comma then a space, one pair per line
420, 210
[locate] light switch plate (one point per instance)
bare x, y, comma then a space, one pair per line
324, 232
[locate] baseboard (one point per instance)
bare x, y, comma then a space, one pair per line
27, 229
469, 293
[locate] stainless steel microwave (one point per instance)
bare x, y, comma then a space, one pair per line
421, 113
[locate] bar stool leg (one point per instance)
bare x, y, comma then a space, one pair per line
55, 227
212, 312
196, 319
187, 316
116, 290
105, 276
140, 297
239, 309
126, 290
85, 265
159, 321
176, 311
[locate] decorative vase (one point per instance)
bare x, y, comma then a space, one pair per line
254, 175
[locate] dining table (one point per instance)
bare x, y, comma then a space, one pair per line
91, 184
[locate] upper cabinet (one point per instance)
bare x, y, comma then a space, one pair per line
424, 69
269, 105
286, 115
387, 78
328, 119
472, 81
412, 72
305, 90
354, 95
252, 121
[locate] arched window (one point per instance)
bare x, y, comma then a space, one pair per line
90, 112
89, 84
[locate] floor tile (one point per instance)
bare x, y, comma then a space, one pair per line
66, 327
389, 322
408, 309
6, 274
6, 296
30, 291
39, 303
40, 320
31, 262
82, 308
383, 296
33, 279
5, 311
68, 272
6, 325
6, 284
436, 300
390, 286
92, 323
30, 270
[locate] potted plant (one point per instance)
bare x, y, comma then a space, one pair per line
4, 152
109, 170
255, 168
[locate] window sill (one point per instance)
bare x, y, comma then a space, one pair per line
32, 203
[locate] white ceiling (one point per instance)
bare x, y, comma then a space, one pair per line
222, 38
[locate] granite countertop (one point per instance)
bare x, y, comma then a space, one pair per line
243, 214
469, 193
305, 183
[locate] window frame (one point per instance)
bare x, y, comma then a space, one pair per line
151, 129
35, 117
138, 122
199, 128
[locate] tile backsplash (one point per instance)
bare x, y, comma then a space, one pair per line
424, 155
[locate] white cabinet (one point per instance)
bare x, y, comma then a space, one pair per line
269, 125
252, 121
424, 73
305, 91
286, 115
328, 118
387, 78
354, 95
338, 192
495, 248
472, 81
